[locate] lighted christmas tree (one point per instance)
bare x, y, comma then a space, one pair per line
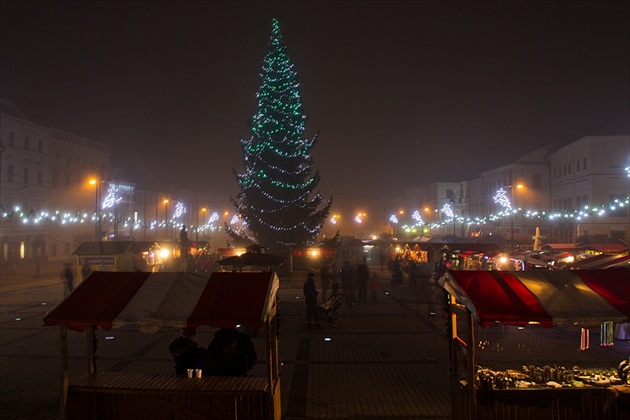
276, 201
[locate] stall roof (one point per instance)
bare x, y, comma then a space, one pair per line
606, 248
584, 297
176, 300
560, 247
107, 248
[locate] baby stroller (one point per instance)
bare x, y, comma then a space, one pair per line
327, 312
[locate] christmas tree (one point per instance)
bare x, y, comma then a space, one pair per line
276, 200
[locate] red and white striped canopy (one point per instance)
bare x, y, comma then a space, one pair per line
176, 300
563, 297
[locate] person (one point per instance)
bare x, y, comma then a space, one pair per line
363, 276
397, 272
334, 278
184, 350
324, 277
68, 278
413, 274
230, 353
310, 298
86, 270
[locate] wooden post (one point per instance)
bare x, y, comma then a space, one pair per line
91, 349
63, 347
472, 392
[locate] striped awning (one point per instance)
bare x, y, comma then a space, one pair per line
563, 297
175, 300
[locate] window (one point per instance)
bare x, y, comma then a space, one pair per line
66, 184
578, 202
577, 166
26, 176
585, 200
584, 163
11, 138
40, 146
10, 173
27, 142
53, 180
39, 177
569, 168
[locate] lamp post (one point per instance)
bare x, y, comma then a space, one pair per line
165, 218
97, 223
203, 220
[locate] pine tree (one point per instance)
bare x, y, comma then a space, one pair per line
276, 200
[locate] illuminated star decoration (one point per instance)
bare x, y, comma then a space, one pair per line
358, 219
180, 210
418, 218
111, 199
502, 199
448, 211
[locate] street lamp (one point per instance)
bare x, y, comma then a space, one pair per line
97, 222
203, 220
166, 218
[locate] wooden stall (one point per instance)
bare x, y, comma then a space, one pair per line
579, 299
169, 300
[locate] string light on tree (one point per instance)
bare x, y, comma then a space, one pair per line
276, 201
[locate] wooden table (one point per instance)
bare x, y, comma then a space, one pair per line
589, 402
116, 395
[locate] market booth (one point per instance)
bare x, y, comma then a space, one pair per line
578, 299
152, 301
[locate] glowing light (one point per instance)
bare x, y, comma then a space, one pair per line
502, 199
393, 218
448, 211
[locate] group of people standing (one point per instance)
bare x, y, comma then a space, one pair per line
354, 281
230, 353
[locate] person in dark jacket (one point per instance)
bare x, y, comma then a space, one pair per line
184, 351
231, 353
310, 298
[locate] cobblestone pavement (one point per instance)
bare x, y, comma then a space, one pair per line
386, 360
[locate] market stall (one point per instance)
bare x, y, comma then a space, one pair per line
179, 300
580, 300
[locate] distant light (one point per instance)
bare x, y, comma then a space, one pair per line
387, 293
44, 303
521, 328
238, 325
109, 337
431, 313
327, 339
18, 319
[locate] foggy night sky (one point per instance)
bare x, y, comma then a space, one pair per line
403, 93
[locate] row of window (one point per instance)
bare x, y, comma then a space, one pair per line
27, 142
563, 170
26, 178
